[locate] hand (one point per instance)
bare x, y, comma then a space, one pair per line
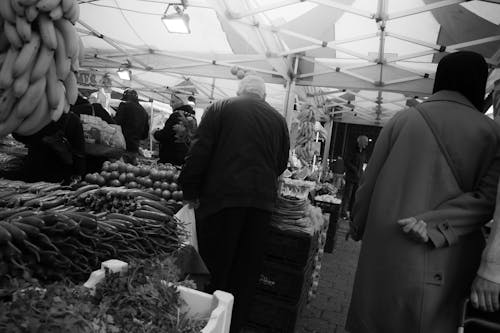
195, 204
417, 230
485, 295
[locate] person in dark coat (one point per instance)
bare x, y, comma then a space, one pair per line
83, 106
231, 172
354, 162
428, 189
46, 162
134, 121
171, 150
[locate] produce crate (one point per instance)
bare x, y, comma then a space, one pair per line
291, 247
268, 315
218, 307
285, 283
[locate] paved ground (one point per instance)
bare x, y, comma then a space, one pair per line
328, 311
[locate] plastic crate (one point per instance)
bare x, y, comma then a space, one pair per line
218, 307
291, 247
268, 315
285, 283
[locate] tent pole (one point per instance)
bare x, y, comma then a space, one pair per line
289, 94
151, 125
326, 152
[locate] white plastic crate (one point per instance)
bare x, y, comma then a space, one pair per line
218, 307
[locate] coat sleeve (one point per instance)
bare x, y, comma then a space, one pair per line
364, 194
465, 213
199, 156
145, 130
168, 130
489, 268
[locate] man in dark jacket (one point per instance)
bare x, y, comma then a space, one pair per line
172, 149
239, 151
134, 121
84, 106
354, 162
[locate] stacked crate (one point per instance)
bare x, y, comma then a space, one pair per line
286, 278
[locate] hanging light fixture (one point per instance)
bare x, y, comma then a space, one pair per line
124, 71
175, 19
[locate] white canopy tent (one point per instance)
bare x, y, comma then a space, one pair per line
369, 58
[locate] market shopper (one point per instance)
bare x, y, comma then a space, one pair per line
134, 121
91, 107
56, 153
354, 161
173, 145
429, 188
231, 172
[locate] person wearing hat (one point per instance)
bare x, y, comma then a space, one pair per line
134, 121
172, 149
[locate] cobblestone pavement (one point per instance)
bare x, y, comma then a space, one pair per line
328, 311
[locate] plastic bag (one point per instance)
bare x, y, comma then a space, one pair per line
187, 218
118, 140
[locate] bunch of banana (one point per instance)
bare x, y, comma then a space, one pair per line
40, 53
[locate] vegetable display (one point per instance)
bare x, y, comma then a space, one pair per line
144, 299
160, 180
40, 52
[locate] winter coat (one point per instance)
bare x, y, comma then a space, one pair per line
134, 121
402, 285
354, 162
171, 151
240, 149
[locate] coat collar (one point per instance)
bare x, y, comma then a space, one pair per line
450, 96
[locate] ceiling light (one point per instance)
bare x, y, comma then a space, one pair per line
124, 72
175, 20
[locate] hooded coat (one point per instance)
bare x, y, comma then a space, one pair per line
402, 285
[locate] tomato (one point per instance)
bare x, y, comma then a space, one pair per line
88, 178
144, 172
115, 183
171, 201
154, 174
158, 192
169, 175
173, 187
137, 171
101, 181
166, 194
176, 177
113, 167
148, 182
130, 176
123, 178
177, 195
130, 168
133, 185
114, 175
157, 184
165, 186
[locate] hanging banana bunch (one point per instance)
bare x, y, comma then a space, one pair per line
304, 148
40, 53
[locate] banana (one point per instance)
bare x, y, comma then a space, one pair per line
75, 65
11, 123
2, 58
30, 99
27, 3
12, 35
6, 77
23, 29
17, 7
31, 13
47, 31
66, 5
37, 120
4, 43
63, 63
52, 86
7, 12
81, 50
67, 107
56, 13
71, 88
73, 13
22, 83
56, 113
27, 54
42, 64
70, 36
7, 100
47, 5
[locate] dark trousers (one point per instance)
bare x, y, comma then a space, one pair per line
349, 196
232, 244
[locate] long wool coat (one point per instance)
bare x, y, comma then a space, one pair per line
403, 286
